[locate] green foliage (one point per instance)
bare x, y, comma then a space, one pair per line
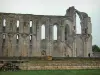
95, 48
54, 72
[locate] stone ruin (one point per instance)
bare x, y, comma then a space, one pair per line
20, 35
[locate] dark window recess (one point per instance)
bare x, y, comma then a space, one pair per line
85, 31
74, 27
65, 38
30, 46
17, 29
30, 52
30, 29
3, 40
11, 26
17, 41
3, 43
3, 28
65, 35
25, 24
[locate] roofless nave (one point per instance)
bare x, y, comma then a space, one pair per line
20, 35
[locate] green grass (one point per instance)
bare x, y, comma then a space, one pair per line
54, 72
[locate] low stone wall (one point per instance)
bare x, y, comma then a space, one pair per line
61, 64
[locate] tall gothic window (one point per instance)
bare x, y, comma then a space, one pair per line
30, 39
43, 31
30, 26
78, 25
55, 32
17, 38
4, 22
4, 25
17, 25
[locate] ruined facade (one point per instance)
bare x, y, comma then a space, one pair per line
20, 35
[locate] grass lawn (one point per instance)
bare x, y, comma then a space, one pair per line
54, 72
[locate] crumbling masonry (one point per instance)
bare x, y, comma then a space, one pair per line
18, 38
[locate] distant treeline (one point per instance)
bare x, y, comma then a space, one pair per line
95, 48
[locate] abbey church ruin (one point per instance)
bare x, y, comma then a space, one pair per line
20, 35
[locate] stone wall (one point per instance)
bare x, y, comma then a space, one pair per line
20, 35
62, 64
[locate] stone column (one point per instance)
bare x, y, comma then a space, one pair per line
74, 48
26, 26
21, 21
85, 48
5, 48
59, 32
60, 40
47, 35
28, 46
7, 24
1, 35
38, 38
62, 33
14, 43
51, 38
9, 45
24, 45
34, 39
20, 45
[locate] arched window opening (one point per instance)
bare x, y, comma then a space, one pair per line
30, 26
43, 31
4, 22
78, 26
55, 32
4, 25
17, 25
17, 37
30, 38
30, 23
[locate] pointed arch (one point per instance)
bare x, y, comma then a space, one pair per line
55, 32
78, 25
43, 31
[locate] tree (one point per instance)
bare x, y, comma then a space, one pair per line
95, 48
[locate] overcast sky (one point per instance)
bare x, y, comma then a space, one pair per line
56, 7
